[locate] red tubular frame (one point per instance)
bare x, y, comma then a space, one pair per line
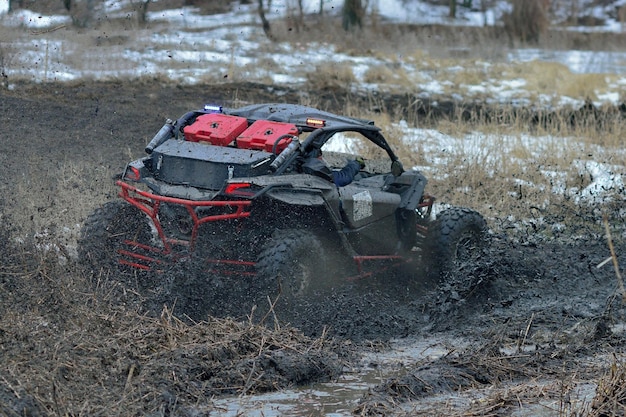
359, 260
150, 203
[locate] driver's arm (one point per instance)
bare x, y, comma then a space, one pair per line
346, 175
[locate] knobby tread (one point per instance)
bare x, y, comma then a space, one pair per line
444, 234
101, 236
284, 250
94, 235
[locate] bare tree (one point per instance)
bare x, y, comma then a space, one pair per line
528, 20
81, 11
300, 13
483, 10
452, 12
294, 15
142, 11
15, 3
453, 6
352, 14
266, 24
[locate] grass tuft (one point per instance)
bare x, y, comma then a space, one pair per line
610, 399
331, 76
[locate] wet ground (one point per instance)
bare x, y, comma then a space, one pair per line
535, 325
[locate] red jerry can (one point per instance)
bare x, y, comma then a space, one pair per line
263, 134
215, 129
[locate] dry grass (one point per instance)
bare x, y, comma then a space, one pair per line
516, 174
553, 78
386, 74
610, 399
67, 352
541, 81
331, 76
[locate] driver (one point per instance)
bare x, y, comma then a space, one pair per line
316, 165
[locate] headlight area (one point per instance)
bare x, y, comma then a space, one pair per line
242, 190
136, 171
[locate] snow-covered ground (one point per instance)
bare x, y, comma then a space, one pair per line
188, 47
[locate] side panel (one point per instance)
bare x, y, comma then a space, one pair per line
370, 216
378, 238
303, 200
362, 206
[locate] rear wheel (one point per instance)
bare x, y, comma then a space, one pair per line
456, 238
102, 236
293, 262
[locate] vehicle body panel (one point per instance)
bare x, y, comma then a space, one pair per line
223, 198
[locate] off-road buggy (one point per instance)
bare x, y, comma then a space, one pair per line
228, 191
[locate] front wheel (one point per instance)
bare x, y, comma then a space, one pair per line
457, 237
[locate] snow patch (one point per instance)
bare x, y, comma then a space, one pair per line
606, 185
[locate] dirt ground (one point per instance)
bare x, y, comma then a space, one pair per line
532, 310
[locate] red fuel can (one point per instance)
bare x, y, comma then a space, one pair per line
263, 134
216, 129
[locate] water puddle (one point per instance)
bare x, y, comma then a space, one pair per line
339, 397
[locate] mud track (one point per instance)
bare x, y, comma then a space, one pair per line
63, 347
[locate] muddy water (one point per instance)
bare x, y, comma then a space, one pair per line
338, 398
536, 398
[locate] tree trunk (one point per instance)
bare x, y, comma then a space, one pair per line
300, 13
452, 13
81, 11
352, 14
266, 24
483, 10
142, 12
13, 4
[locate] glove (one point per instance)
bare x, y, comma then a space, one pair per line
361, 162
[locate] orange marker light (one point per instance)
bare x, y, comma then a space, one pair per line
316, 122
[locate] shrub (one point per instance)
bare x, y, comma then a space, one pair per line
331, 76
528, 20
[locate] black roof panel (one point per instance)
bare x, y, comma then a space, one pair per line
296, 114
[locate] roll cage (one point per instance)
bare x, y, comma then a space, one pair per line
302, 115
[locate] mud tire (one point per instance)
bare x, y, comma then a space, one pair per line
103, 233
293, 263
457, 237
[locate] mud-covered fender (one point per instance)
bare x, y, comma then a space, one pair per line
297, 189
299, 197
